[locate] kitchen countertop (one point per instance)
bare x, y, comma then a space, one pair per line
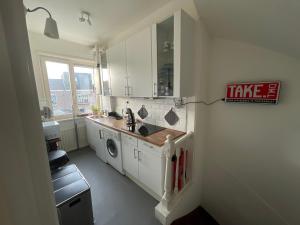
157, 138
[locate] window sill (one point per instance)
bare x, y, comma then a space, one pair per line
71, 118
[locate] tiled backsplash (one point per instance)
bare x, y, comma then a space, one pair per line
157, 109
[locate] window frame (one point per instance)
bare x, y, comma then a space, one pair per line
80, 64
71, 62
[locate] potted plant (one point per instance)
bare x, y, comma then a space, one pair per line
95, 109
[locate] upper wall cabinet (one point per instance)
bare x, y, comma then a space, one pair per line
130, 66
139, 65
116, 57
172, 53
155, 62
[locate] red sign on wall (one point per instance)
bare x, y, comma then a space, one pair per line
258, 92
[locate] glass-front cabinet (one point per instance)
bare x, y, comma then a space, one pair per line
172, 49
165, 57
105, 78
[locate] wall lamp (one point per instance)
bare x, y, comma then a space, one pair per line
50, 30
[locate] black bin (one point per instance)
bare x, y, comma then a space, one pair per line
72, 196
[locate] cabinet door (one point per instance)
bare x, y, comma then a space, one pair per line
163, 57
88, 131
94, 135
92, 132
173, 52
138, 57
130, 162
116, 57
150, 170
100, 143
105, 78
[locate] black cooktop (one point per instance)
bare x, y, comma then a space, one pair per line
145, 129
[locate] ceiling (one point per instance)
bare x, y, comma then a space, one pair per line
273, 24
109, 17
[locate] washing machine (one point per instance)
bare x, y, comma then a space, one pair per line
113, 149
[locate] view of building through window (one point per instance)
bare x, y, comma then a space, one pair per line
59, 79
60, 88
85, 88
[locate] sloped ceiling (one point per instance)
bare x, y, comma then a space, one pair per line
273, 24
109, 17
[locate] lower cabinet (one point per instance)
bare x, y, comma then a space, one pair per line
130, 162
151, 166
144, 162
95, 138
89, 132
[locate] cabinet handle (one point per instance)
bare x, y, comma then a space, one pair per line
155, 92
134, 150
100, 134
139, 159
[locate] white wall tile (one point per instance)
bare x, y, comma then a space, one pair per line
157, 109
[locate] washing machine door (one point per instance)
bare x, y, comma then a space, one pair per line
112, 148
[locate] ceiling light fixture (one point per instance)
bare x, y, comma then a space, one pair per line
50, 30
85, 17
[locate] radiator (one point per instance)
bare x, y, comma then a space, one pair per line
68, 140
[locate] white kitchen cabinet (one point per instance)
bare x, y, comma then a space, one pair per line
100, 143
151, 169
89, 132
155, 62
173, 56
139, 64
95, 138
116, 57
92, 133
130, 153
105, 78
144, 162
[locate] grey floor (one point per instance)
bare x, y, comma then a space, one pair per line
116, 199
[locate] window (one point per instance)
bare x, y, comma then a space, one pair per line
60, 88
71, 86
85, 88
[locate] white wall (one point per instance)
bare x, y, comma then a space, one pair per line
252, 157
41, 44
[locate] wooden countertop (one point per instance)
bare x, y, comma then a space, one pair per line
157, 138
